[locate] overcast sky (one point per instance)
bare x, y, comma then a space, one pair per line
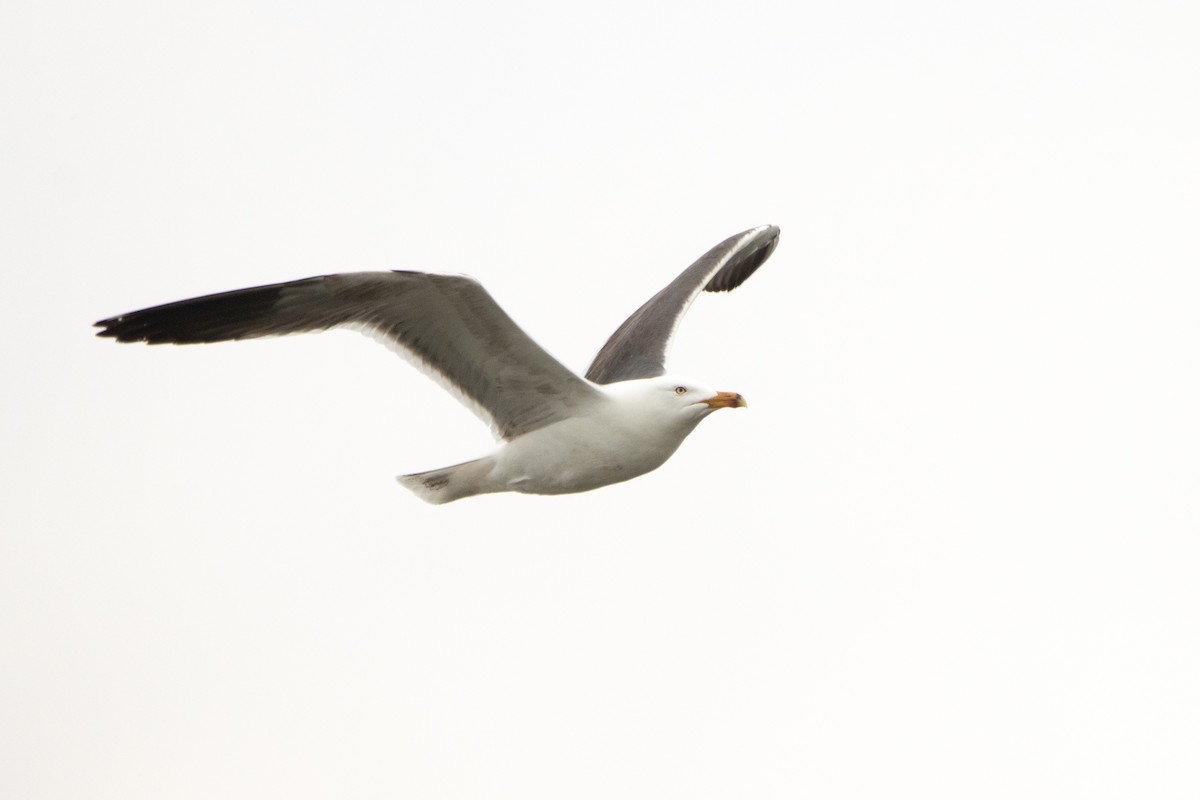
950, 549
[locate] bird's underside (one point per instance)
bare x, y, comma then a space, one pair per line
452, 329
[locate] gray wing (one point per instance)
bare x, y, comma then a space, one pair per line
446, 324
638, 349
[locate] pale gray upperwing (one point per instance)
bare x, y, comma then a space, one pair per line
638, 349
448, 325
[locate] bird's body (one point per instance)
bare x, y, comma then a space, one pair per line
560, 433
632, 429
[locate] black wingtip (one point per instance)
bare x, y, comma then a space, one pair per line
120, 329
753, 252
107, 328
239, 314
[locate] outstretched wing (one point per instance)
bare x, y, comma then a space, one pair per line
638, 349
446, 324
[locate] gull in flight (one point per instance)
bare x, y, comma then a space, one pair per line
558, 432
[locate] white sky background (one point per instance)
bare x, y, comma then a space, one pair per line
951, 549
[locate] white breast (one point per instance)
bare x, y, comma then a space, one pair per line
621, 439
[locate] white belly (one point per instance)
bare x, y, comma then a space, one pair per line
584, 453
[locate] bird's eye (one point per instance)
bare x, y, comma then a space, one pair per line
680, 390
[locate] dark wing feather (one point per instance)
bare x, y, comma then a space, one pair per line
638, 349
447, 324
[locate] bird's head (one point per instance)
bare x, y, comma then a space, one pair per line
684, 399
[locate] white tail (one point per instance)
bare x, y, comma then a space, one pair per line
450, 483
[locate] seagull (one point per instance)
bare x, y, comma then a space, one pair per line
559, 433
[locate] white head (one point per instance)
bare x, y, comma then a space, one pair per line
676, 398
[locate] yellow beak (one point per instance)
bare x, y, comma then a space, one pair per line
726, 400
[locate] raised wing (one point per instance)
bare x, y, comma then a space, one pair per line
446, 324
638, 349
